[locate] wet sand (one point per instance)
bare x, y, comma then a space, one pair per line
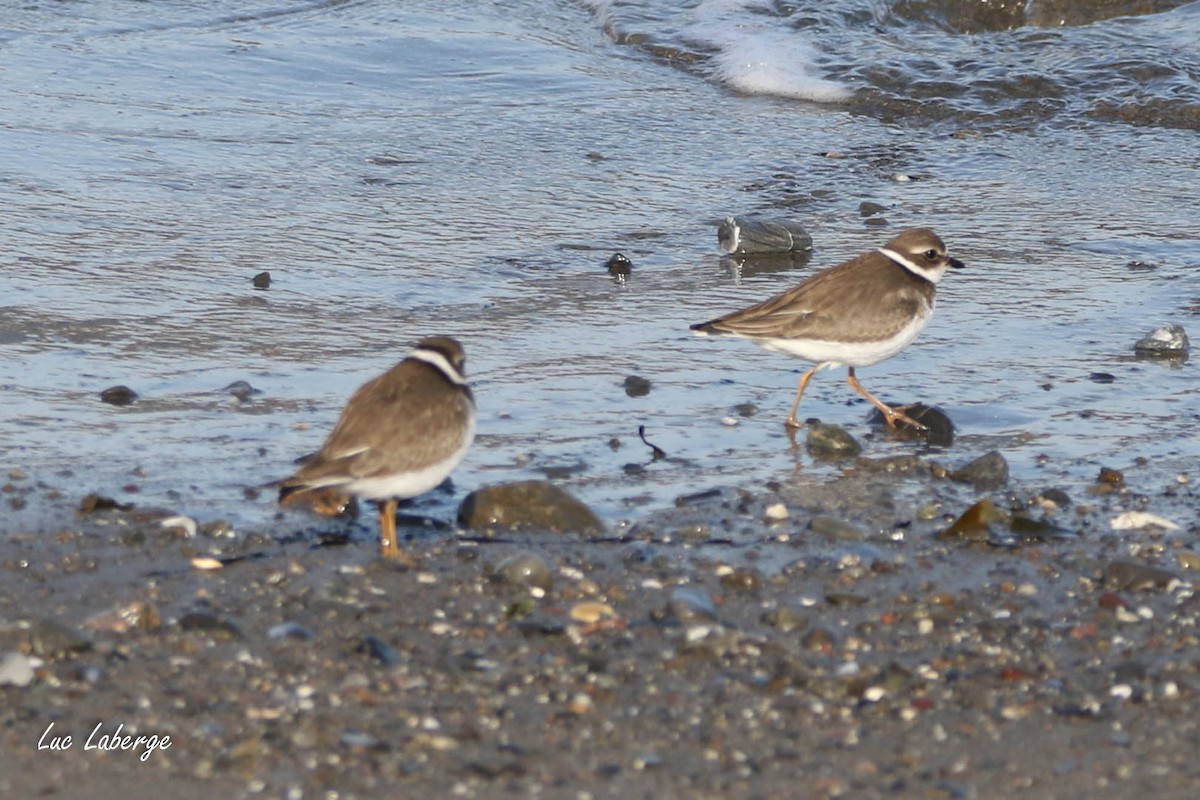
812, 637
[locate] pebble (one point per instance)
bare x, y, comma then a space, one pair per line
835, 528
241, 391
776, 512
755, 236
637, 386
1135, 520
524, 569
592, 611
261, 281
689, 605
1165, 341
16, 669
619, 266
118, 395
988, 472
830, 441
49, 639
185, 524
290, 630
527, 504
976, 522
1132, 576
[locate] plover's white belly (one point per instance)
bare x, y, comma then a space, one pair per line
412, 483
851, 354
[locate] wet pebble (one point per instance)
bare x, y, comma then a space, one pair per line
591, 611
785, 619
379, 650
636, 386
261, 281
938, 432
1131, 576
989, 471
527, 504
49, 639
241, 391
290, 630
619, 266
118, 395
754, 235
204, 622
524, 569
1167, 341
834, 528
976, 523
16, 669
740, 579
689, 605
830, 441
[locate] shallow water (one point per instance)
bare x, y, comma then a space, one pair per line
468, 168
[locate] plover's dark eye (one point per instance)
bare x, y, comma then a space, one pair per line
931, 255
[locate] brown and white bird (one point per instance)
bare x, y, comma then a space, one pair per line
400, 435
855, 314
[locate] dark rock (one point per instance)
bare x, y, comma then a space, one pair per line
619, 266
527, 504
241, 390
689, 605
830, 441
1130, 576
989, 471
262, 280
204, 622
637, 386
118, 395
938, 432
976, 523
98, 502
1102, 377
869, 209
49, 640
379, 650
1168, 341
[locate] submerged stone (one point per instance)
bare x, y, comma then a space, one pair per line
1166, 341
938, 432
524, 569
830, 441
527, 504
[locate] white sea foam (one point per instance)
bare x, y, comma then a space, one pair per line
758, 54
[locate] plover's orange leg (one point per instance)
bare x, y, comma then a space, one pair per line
791, 421
890, 415
389, 547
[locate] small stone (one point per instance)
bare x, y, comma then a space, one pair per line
379, 650
241, 391
741, 579
834, 528
1188, 559
989, 471
49, 639
527, 504
524, 569
636, 386
689, 605
776, 513
830, 441
1130, 576
619, 266
16, 669
262, 280
1102, 377
745, 409
1165, 341
1135, 520
206, 563
869, 209
118, 395
750, 235
785, 619
591, 611
204, 622
290, 630
976, 522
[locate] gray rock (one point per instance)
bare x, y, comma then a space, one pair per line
830, 441
753, 235
1166, 341
49, 639
524, 569
527, 504
989, 471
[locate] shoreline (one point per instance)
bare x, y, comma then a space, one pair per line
716, 648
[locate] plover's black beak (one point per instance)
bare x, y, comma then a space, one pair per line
954, 262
